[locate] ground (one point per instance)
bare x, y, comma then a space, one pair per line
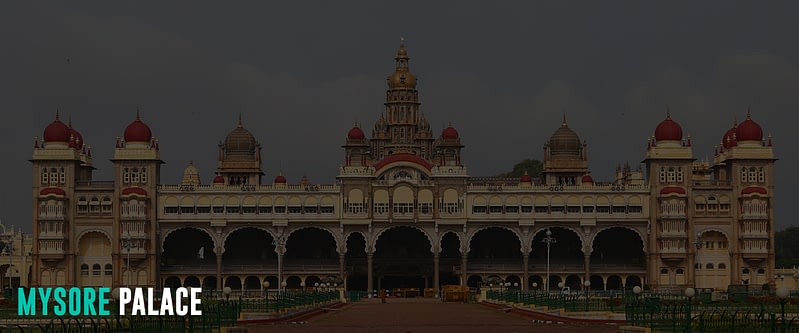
423, 316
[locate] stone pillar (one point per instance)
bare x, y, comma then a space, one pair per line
526, 271
219, 283
369, 274
436, 283
341, 272
587, 264
280, 271
464, 276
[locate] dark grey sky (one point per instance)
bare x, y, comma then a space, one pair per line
302, 72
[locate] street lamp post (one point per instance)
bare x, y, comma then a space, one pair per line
782, 294
127, 244
548, 240
689, 292
698, 245
587, 285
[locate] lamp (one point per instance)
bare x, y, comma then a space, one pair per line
548, 240
227, 292
689, 292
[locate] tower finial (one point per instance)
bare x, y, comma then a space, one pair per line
138, 117
69, 121
240, 124
668, 112
564, 118
749, 112
734, 121
57, 114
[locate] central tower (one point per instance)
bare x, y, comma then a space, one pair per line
402, 128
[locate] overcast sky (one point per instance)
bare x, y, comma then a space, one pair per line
301, 73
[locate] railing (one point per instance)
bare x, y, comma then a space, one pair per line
501, 187
574, 301
247, 188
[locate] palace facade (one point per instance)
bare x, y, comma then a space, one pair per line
404, 212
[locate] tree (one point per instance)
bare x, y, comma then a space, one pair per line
533, 168
786, 243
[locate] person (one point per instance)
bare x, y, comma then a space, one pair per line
382, 295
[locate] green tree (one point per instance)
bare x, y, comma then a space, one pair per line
786, 243
533, 168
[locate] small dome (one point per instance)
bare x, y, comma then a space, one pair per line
526, 178
402, 76
356, 133
450, 133
240, 142
219, 179
191, 176
587, 179
138, 131
57, 131
76, 140
668, 130
749, 130
280, 179
564, 141
730, 137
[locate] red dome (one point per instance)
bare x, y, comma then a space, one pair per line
280, 179
588, 179
219, 179
77, 139
138, 131
730, 137
57, 131
749, 130
356, 134
450, 133
525, 178
668, 130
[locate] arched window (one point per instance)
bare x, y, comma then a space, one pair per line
745, 271
680, 271
709, 266
109, 269
761, 271
722, 266
664, 271
96, 269
84, 270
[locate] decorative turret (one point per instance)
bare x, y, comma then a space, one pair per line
240, 157
565, 157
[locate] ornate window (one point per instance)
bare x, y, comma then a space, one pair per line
108, 269
96, 269
84, 270
126, 175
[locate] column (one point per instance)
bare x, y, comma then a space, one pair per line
341, 273
219, 283
525, 269
369, 274
435, 272
464, 276
587, 263
280, 271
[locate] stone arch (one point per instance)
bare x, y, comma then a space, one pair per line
636, 231
470, 236
373, 241
336, 238
98, 230
457, 234
231, 231
170, 231
709, 229
572, 229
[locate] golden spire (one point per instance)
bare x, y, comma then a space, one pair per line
240, 124
668, 112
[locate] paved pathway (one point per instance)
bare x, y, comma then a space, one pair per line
422, 316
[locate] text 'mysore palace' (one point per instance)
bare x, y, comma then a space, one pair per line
404, 212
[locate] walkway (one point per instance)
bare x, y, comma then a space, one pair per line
419, 315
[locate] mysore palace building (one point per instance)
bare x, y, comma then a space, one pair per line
404, 212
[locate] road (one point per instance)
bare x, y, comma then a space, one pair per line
420, 315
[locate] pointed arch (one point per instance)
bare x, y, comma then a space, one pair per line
165, 235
